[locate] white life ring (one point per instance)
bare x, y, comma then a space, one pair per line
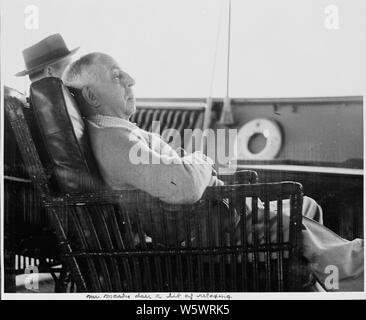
269, 129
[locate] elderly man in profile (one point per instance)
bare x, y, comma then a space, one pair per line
108, 93
107, 90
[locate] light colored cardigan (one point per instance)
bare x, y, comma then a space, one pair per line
171, 178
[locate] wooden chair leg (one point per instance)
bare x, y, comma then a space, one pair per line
63, 281
9, 266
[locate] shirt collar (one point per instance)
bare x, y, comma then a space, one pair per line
114, 122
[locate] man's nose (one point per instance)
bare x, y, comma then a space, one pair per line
129, 80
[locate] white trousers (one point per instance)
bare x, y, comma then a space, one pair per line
337, 263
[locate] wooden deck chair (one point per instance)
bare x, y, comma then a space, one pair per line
29, 240
30, 243
104, 235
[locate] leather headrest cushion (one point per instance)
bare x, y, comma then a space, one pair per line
63, 131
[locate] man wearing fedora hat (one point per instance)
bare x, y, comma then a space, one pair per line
47, 58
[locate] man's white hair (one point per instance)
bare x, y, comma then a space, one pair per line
82, 72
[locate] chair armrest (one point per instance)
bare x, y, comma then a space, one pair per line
111, 197
239, 177
102, 197
265, 191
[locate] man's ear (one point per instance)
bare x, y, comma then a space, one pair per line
49, 71
90, 97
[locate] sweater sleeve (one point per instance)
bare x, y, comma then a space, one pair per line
126, 159
160, 146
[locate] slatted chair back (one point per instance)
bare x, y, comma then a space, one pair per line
129, 241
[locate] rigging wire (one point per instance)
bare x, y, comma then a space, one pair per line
226, 117
209, 102
218, 31
228, 52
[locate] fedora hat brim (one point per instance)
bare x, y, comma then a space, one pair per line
41, 66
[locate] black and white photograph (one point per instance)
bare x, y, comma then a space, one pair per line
182, 150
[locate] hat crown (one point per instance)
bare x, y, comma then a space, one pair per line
48, 49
